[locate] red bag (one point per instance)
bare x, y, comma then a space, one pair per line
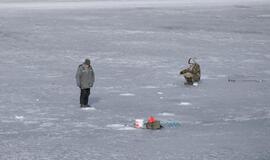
151, 119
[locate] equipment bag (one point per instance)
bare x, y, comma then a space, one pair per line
154, 125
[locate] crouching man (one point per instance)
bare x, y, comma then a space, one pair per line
192, 73
85, 79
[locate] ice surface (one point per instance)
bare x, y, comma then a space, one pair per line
127, 94
184, 104
137, 49
89, 108
121, 127
166, 114
118, 4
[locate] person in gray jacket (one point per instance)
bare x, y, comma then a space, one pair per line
85, 79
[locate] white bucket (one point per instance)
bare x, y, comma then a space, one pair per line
139, 123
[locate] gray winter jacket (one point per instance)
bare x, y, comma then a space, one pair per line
85, 77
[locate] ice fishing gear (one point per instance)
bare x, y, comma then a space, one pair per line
193, 60
153, 123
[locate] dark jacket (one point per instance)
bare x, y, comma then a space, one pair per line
195, 70
85, 77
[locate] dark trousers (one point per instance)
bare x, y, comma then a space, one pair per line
84, 96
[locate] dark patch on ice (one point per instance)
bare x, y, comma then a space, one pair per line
13, 35
245, 78
242, 6
172, 28
144, 8
246, 32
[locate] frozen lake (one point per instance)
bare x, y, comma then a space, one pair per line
137, 50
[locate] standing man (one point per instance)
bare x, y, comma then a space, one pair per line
192, 73
85, 79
